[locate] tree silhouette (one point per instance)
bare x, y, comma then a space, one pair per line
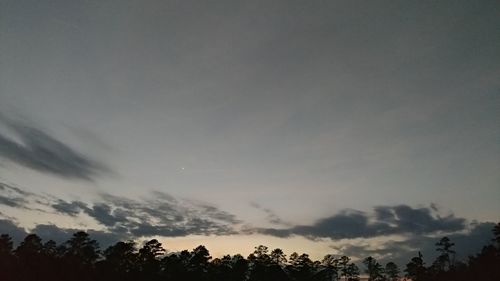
344, 267
30, 247
79, 259
301, 267
277, 257
447, 256
239, 268
120, 261
415, 269
391, 271
331, 266
80, 254
352, 272
148, 259
7, 260
260, 255
50, 249
198, 263
220, 268
262, 267
175, 265
82, 249
6, 245
29, 255
373, 269
496, 233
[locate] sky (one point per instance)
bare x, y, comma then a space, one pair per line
326, 127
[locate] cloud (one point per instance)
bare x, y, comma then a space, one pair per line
418, 220
413, 228
37, 150
15, 197
160, 214
9, 227
272, 217
385, 220
68, 208
12, 201
59, 235
163, 215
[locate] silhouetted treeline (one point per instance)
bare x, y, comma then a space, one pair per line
80, 259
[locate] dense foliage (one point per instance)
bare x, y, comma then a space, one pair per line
80, 258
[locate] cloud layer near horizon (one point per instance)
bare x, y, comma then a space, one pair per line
162, 215
400, 251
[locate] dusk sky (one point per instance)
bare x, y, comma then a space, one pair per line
342, 127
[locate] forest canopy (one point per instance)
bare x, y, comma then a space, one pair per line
80, 258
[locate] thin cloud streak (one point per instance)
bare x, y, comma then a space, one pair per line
39, 151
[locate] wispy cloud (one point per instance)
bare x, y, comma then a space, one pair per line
12, 196
164, 215
271, 216
40, 151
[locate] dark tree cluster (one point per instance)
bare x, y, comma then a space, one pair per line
482, 266
80, 259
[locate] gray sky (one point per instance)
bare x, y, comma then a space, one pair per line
277, 114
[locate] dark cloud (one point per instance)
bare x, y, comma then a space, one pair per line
102, 213
12, 201
15, 197
68, 208
418, 220
9, 197
50, 231
164, 216
53, 232
385, 220
9, 227
167, 216
161, 214
11, 188
60, 235
39, 151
